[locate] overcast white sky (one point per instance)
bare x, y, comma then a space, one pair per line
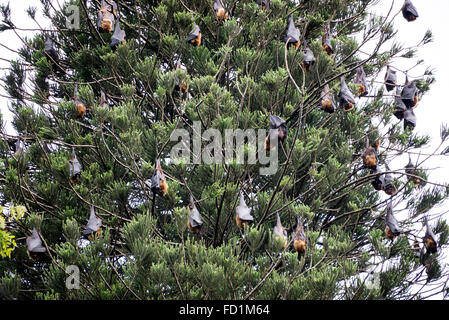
431, 112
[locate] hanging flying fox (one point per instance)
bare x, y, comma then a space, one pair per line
369, 156
220, 11
347, 100
409, 119
50, 51
390, 79
280, 232
399, 106
118, 37
158, 183
243, 215
327, 100
410, 170
378, 182
409, 11
14, 144
388, 185
181, 85
429, 239
293, 36
392, 229
409, 95
361, 82
326, 42
93, 227
18, 147
309, 58
106, 16
280, 126
80, 107
35, 249
265, 4
194, 223
194, 37
103, 101
74, 168
299, 240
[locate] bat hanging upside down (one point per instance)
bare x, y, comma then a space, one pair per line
429, 240
280, 131
158, 183
327, 102
80, 110
299, 242
80, 107
194, 223
243, 215
220, 12
369, 156
392, 229
347, 100
106, 25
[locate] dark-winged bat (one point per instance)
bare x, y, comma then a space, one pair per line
243, 215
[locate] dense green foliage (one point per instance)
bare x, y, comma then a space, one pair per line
237, 77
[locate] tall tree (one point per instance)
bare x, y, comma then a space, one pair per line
95, 108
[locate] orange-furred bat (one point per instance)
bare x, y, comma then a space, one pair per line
80, 107
392, 229
220, 11
369, 156
267, 144
293, 36
181, 85
35, 249
410, 170
194, 223
158, 183
93, 227
327, 101
280, 232
409, 11
429, 239
360, 80
194, 37
106, 16
299, 239
347, 100
326, 42
280, 131
243, 215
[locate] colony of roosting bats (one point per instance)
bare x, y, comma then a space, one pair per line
405, 100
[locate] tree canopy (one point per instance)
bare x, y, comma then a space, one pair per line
97, 96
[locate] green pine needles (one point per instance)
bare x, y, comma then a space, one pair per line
94, 109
